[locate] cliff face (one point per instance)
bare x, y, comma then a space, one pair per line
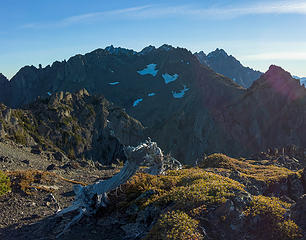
78, 124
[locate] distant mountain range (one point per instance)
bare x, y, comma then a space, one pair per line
184, 105
229, 66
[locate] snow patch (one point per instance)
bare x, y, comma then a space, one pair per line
151, 94
113, 83
137, 101
180, 93
169, 78
150, 69
302, 80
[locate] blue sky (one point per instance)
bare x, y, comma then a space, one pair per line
258, 33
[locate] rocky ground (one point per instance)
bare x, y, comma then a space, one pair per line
221, 198
23, 211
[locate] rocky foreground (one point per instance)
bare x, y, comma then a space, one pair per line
220, 198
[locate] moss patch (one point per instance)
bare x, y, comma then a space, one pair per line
5, 184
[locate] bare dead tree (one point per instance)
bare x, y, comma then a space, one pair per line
89, 199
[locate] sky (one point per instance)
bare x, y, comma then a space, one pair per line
258, 33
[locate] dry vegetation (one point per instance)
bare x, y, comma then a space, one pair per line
264, 173
28, 181
184, 197
272, 212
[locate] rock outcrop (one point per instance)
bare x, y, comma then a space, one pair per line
80, 125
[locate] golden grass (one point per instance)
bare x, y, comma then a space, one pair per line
184, 196
189, 192
264, 173
175, 225
27, 180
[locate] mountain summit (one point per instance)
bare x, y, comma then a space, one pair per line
229, 66
281, 82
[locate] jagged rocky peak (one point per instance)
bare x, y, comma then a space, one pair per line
201, 56
276, 75
119, 51
229, 66
83, 92
26, 69
147, 50
277, 81
277, 72
26, 72
166, 47
66, 97
218, 52
60, 96
201, 53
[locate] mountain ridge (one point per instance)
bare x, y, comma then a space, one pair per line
177, 99
229, 66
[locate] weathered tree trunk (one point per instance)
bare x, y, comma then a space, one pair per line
92, 197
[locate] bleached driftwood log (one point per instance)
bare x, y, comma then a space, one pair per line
91, 198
